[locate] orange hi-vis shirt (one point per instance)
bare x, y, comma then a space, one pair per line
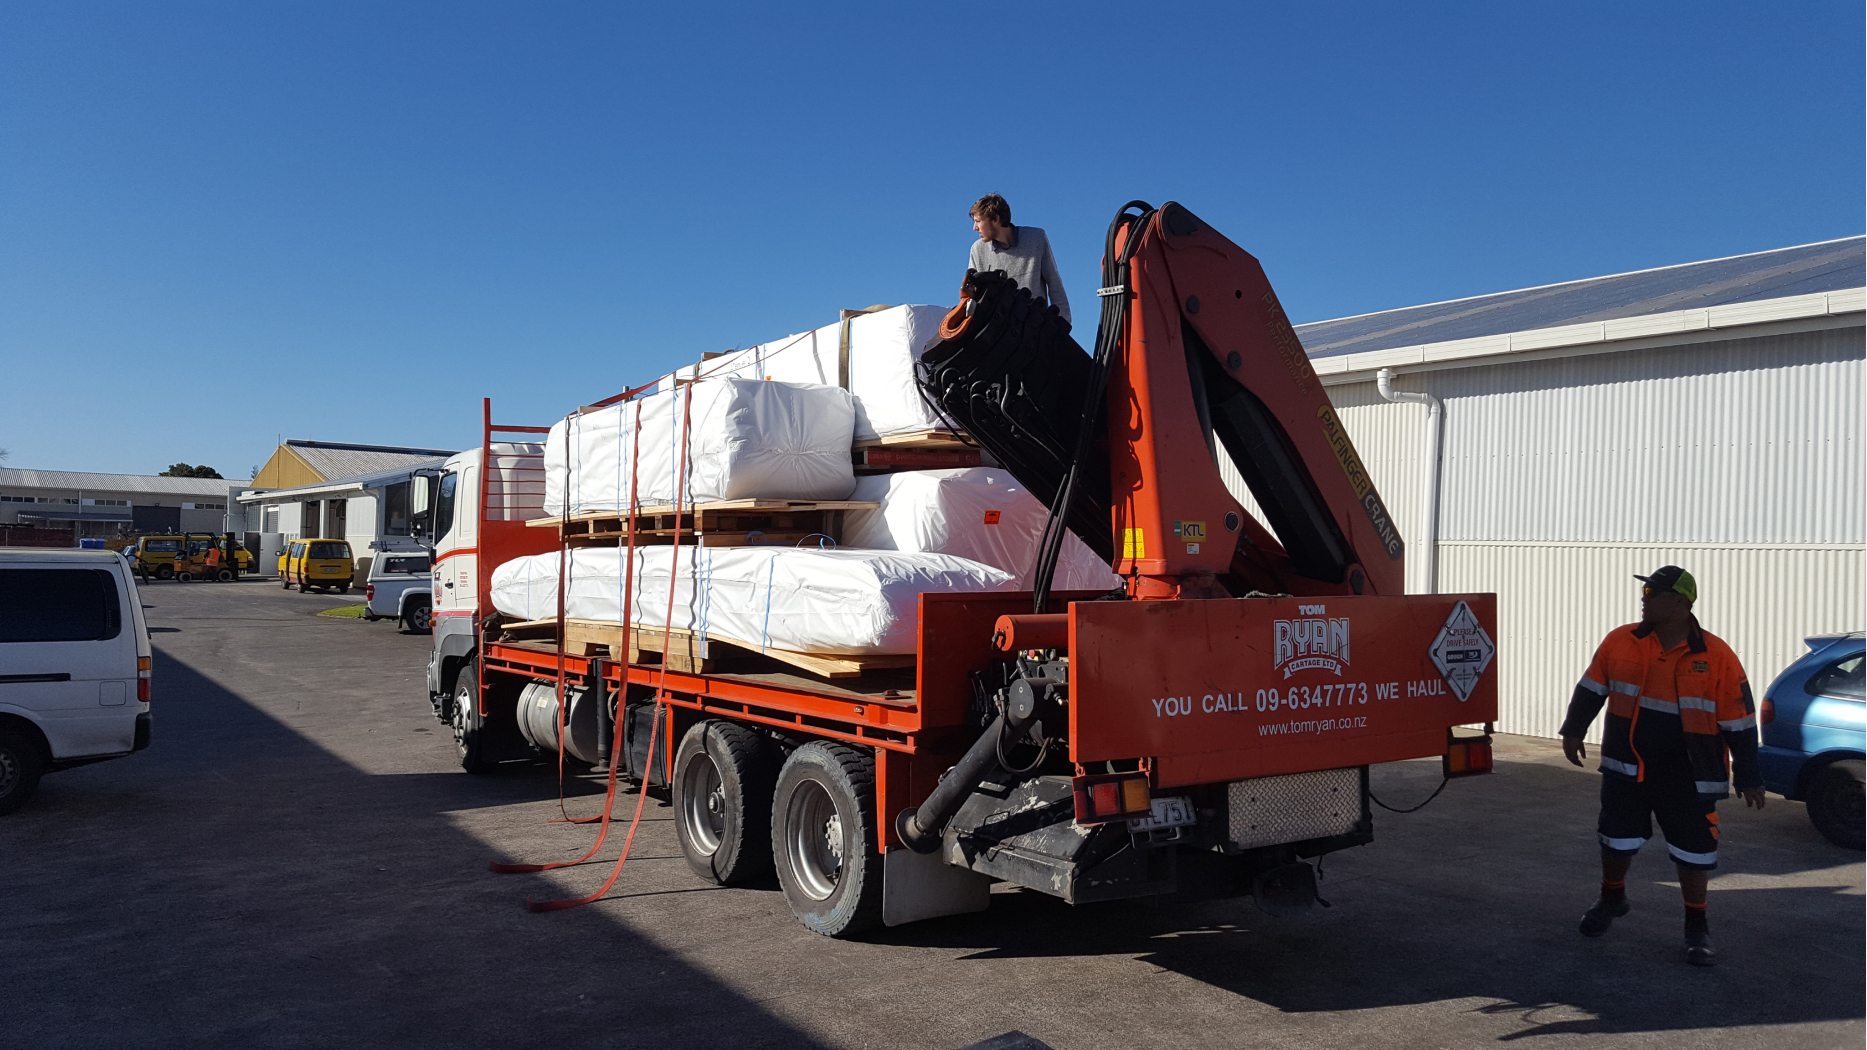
1699, 686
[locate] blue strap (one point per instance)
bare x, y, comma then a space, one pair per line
765, 632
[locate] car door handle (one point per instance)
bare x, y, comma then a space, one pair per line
8, 679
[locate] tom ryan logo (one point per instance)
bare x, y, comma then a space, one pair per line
1313, 643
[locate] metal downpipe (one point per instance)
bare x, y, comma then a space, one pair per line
1429, 497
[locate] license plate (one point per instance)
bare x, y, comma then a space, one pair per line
1174, 812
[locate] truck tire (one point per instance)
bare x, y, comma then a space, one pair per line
21, 766
469, 728
1835, 803
723, 779
420, 618
823, 838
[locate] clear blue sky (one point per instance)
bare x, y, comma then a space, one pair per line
366, 216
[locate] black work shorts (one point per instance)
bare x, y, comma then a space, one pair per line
1689, 823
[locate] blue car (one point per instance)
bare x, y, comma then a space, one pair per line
1814, 719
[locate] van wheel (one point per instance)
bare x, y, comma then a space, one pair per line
287, 584
823, 838
469, 728
1835, 803
420, 618
21, 766
343, 588
723, 778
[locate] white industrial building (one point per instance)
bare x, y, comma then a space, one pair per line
105, 506
1706, 415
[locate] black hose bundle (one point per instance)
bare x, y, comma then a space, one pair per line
1008, 373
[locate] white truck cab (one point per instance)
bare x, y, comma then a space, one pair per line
513, 493
74, 665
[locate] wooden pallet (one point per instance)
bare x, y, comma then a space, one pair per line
724, 523
692, 653
931, 439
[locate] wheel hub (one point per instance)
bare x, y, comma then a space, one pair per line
9, 773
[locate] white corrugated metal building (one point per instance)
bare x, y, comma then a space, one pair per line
1706, 415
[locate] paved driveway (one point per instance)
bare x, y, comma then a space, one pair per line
297, 862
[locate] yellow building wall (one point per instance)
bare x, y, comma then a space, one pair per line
285, 470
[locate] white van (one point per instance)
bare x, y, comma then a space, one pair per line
74, 665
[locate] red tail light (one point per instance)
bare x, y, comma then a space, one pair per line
142, 690
1768, 712
1467, 756
1109, 797
369, 593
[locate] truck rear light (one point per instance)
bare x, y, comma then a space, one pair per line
1467, 756
142, 666
142, 690
1109, 797
1767, 713
369, 593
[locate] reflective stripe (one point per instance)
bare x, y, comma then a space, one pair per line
1712, 787
1654, 703
1624, 845
1616, 765
1592, 686
1692, 858
1617, 686
1739, 725
1698, 703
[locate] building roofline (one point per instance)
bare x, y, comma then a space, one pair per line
347, 446
1579, 280
1677, 327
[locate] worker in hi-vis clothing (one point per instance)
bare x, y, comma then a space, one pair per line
1022, 252
1678, 708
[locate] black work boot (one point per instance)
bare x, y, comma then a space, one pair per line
1698, 949
1596, 920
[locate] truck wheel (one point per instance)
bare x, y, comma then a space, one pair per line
420, 618
723, 777
1835, 803
469, 728
21, 765
823, 838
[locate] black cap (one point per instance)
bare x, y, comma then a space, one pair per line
1672, 578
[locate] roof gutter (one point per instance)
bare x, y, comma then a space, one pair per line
1429, 495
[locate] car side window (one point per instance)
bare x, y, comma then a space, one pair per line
1840, 679
59, 605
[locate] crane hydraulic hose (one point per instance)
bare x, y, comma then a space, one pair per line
1114, 294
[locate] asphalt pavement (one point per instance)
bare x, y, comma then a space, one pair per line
297, 861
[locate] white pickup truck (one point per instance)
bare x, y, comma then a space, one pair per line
401, 586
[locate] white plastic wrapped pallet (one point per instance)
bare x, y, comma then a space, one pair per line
788, 598
883, 349
745, 439
979, 513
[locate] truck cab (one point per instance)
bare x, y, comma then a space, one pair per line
477, 522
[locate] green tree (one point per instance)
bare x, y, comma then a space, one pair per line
183, 470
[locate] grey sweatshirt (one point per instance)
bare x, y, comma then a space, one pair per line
1028, 261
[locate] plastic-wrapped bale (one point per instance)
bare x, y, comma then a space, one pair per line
746, 439
883, 349
979, 513
804, 600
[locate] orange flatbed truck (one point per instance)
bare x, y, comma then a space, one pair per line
1203, 731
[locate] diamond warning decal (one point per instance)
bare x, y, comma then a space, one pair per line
1462, 651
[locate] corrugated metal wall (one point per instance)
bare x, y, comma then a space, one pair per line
1740, 460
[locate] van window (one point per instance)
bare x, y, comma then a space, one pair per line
407, 564
444, 507
58, 605
330, 550
161, 546
297, 549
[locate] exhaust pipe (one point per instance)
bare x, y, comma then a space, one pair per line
920, 828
